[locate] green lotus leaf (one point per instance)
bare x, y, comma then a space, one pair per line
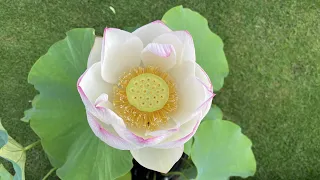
28, 112
98, 160
209, 46
188, 146
220, 151
188, 170
58, 115
3, 136
4, 174
214, 113
27, 115
13, 152
125, 177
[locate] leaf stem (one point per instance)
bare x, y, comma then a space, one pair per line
155, 176
49, 173
31, 145
176, 173
187, 161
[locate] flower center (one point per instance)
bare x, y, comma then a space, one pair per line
147, 92
144, 97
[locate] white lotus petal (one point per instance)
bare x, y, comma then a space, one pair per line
179, 73
107, 134
92, 83
205, 80
182, 71
103, 111
103, 101
191, 94
159, 55
187, 130
169, 128
95, 53
161, 160
182, 42
202, 75
184, 133
120, 52
193, 91
150, 31
188, 51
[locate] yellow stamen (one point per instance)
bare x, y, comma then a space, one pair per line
144, 97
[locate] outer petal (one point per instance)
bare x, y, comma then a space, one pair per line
107, 134
202, 75
160, 160
205, 80
182, 42
120, 52
95, 53
150, 31
179, 73
92, 83
108, 117
188, 129
182, 71
93, 98
159, 55
185, 132
192, 92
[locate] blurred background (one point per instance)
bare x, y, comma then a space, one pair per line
272, 91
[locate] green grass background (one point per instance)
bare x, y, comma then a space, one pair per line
272, 91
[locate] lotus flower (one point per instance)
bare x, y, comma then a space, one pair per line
144, 92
